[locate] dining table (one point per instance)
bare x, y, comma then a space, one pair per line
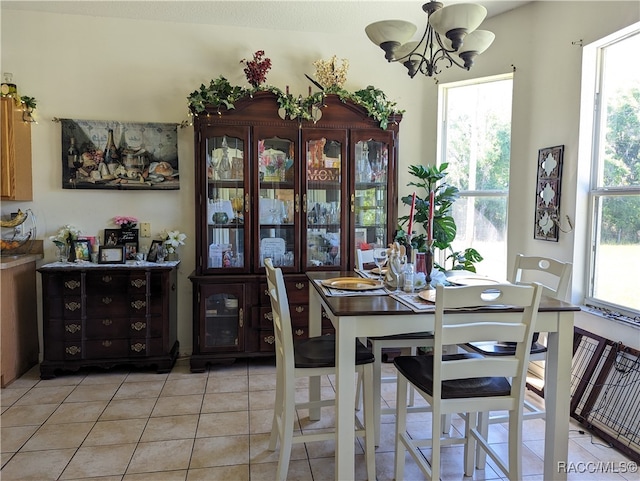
363, 314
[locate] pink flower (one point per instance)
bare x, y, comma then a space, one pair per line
126, 221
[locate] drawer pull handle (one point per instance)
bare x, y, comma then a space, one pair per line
72, 306
270, 339
138, 326
300, 285
72, 328
266, 292
107, 322
241, 317
299, 332
106, 343
73, 350
107, 300
138, 304
107, 279
138, 346
72, 284
138, 283
269, 316
299, 308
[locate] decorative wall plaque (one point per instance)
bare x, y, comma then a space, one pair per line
548, 193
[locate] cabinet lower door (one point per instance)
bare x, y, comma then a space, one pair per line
222, 314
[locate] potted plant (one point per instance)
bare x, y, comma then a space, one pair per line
432, 179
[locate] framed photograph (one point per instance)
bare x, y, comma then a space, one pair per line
360, 237
547, 205
153, 250
111, 237
81, 249
130, 250
111, 255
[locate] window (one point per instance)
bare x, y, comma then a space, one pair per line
475, 140
614, 263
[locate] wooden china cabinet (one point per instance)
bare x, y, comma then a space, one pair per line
304, 193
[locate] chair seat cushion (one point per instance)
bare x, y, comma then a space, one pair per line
412, 335
320, 351
419, 371
503, 349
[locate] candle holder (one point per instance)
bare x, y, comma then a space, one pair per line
429, 263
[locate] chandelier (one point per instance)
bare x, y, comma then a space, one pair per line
451, 31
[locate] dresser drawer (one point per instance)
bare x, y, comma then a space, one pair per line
101, 283
299, 316
67, 307
297, 292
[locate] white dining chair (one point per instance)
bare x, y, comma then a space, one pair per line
554, 277
468, 383
314, 356
407, 344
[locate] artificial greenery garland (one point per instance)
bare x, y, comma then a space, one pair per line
220, 93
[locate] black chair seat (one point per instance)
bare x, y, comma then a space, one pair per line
409, 336
320, 351
419, 371
503, 349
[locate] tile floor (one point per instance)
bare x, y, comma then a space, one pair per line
126, 425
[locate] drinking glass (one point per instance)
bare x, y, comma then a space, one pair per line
380, 258
396, 264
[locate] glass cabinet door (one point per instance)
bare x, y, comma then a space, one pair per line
227, 203
277, 201
324, 199
224, 313
371, 195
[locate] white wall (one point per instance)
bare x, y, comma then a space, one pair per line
113, 69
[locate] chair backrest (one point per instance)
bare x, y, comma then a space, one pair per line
364, 257
554, 275
281, 319
503, 325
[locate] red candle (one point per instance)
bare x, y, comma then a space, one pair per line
430, 230
413, 206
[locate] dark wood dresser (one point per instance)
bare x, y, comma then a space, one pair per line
106, 315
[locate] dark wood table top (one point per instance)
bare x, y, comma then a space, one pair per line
382, 305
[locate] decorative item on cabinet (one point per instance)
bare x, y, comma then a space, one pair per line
305, 219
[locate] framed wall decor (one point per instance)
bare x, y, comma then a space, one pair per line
142, 155
81, 249
548, 183
111, 255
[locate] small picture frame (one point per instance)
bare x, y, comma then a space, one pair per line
111, 237
111, 255
153, 250
81, 249
130, 250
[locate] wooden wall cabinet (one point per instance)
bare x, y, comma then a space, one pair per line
303, 193
107, 315
15, 153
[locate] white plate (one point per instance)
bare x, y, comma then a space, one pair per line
472, 281
375, 270
428, 295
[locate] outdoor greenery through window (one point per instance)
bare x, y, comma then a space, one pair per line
615, 183
475, 140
